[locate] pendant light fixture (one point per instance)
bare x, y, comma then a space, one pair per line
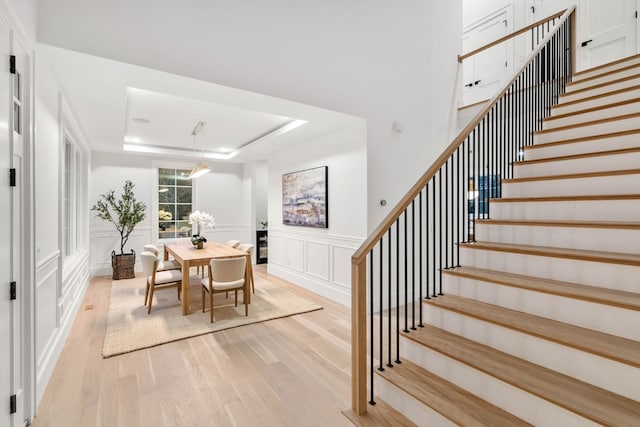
200, 168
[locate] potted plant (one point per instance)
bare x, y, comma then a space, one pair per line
125, 213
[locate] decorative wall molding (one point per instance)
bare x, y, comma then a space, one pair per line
320, 262
45, 262
78, 280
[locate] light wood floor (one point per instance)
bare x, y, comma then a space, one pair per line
286, 372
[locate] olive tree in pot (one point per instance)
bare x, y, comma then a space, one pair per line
125, 213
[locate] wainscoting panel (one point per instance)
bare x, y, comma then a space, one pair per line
294, 254
276, 250
313, 260
46, 313
342, 265
58, 297
317, 259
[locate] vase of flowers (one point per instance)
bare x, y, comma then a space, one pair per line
200, 220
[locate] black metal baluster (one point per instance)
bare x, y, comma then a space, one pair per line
420, 258
440, 257
381, 313
406, 276
371, 341
413, 265
389, 297
433, 208
398, 291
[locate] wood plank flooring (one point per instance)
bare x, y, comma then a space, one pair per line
286, 372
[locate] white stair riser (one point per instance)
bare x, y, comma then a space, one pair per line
573, 96
546, 151
409, 406
565, 108
603, 113
613, 276
606, 163
600, 317
594, 239
612, 67
587, 130
601, 185
524, 405
589, 82
587, 210
584, 366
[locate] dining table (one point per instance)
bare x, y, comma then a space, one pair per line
189, 256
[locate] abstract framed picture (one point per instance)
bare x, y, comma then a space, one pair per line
304, 198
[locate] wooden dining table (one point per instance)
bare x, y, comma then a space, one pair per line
189, 256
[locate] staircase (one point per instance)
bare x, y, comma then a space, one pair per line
541, 323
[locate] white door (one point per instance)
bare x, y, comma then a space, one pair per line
5, 227
607, 31
19, 333
484, 73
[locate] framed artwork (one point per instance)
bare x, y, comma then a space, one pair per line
304, 198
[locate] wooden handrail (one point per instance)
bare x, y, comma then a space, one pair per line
358, 260
510, 36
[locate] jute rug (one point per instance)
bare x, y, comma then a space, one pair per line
130, 328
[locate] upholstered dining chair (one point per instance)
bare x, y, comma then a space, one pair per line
157, 279
162, 265
225, 274
233, 243
247, 247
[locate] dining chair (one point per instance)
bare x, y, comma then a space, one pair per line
162, 265
233, 243
157, 279
225, 274
247, 247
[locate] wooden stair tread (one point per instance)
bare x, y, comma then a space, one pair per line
567, 198
574, 175
582, 139
580, 156
567, 253
599, 85
560, 223
591, 110
581, 398
451, 401
588, 123
380, 414
603, 74
594, 97
577, 74
616, 348
612, 297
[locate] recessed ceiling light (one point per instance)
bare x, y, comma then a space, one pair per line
132, 139
141, 120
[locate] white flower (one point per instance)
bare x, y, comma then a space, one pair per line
202, 220
164, 215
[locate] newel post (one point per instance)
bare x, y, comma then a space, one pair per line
358, 336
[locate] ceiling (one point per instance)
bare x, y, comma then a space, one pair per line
123, 107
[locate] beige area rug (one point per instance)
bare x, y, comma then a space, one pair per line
130, 328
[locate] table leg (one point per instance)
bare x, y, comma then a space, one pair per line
185, 287
166, 253
248, 280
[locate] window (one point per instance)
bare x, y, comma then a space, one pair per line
175, 201
74, 197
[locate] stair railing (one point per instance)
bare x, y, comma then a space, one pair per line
405, 255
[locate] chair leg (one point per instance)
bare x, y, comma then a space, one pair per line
146, 293
203, 301
236, 297
211, 303
178, 288
246, 308
150, 299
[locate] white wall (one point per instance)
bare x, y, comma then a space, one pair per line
320, 259
383, 60
221, 193
59, 283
